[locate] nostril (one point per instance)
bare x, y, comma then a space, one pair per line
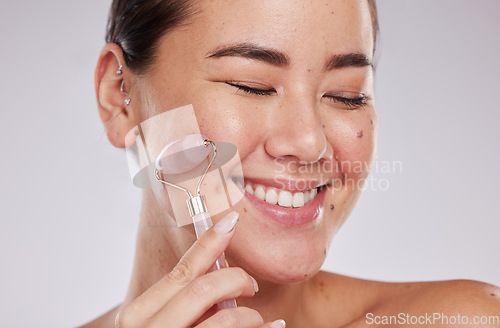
299, 138
328, 155
323, 152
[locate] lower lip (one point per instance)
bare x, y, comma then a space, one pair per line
289, 216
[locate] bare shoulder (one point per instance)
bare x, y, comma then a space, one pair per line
454, 303
466, 295
459, 297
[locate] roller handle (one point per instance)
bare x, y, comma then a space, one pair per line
203, 222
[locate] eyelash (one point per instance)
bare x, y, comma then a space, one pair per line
254, 91
351, 103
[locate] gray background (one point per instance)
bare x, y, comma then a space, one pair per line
68, 212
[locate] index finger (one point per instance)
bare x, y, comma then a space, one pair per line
196, 262
204, 252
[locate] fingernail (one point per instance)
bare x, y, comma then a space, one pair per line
255, 285
227, 223
278, 324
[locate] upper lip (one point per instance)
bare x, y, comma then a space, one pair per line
296, 185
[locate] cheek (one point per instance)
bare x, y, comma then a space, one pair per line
230, 119
353, 137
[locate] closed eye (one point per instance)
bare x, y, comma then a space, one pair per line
252, 90
351, 103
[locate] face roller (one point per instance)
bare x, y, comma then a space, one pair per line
181, 156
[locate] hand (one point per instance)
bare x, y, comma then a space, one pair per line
185, 296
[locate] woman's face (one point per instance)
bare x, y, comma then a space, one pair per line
290, 84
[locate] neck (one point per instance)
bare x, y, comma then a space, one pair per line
159, 246
275, 301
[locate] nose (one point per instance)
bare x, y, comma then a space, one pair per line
295, 129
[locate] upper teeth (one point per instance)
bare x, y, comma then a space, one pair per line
282, 197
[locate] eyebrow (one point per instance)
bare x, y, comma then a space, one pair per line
280, 59
252, 51
348, 60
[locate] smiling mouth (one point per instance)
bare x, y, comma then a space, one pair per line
283, 194
283, 198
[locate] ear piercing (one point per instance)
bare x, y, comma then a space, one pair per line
122, 86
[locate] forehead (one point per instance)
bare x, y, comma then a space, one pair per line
292, 26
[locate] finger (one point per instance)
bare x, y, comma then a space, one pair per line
240, 317
275, 324
196, 262
205, 291
203, 253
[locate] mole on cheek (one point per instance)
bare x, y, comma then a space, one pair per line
371, 121
332, 207
360, 134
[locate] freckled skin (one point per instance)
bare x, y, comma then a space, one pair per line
292, 126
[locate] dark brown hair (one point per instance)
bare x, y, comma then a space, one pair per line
138, 25
374, 16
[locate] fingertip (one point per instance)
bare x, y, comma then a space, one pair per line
227, 223
278, 324
255, 285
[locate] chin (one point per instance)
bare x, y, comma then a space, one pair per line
286, 274
276, 260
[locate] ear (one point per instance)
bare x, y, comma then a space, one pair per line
118, 119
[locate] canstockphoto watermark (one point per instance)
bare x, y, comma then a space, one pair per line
435, 318
339, 174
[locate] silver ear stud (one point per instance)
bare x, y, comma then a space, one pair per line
119, 70
122, 87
